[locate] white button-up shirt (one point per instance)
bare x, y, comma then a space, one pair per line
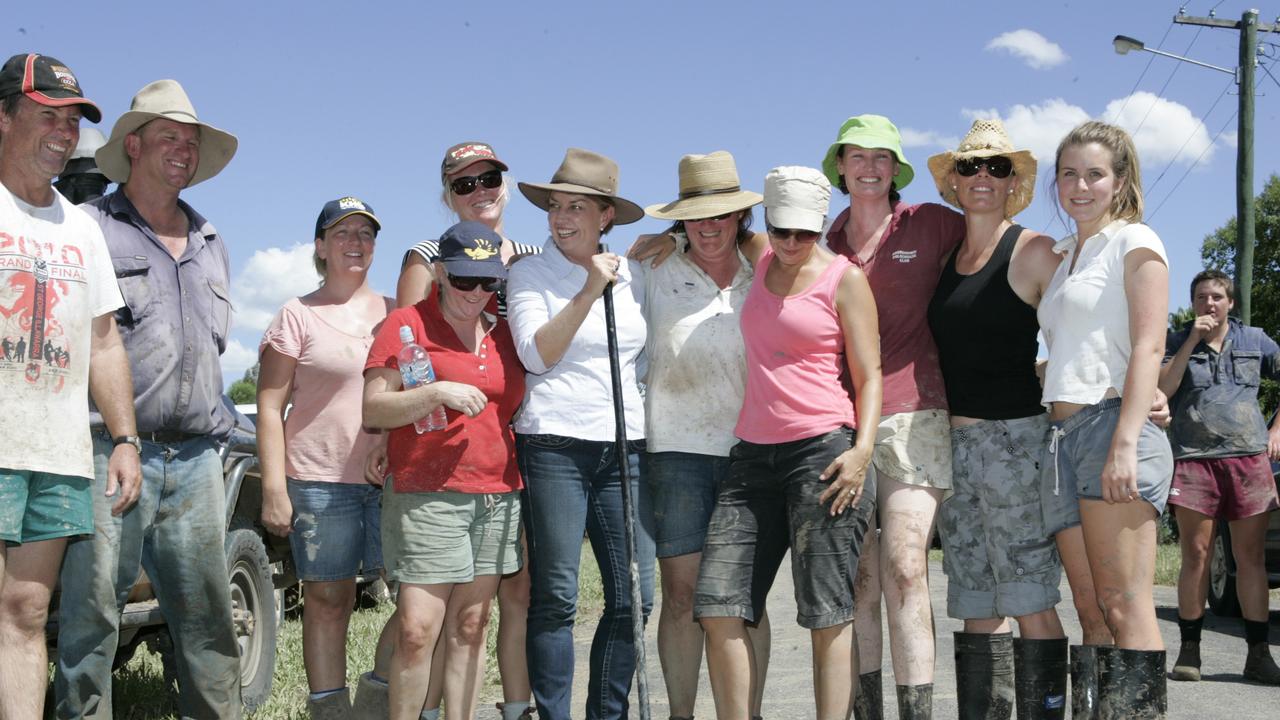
574, 397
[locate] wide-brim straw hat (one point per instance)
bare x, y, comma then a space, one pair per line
708, 187
165, 99
585, 173
987, 138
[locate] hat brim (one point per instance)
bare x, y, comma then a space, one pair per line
705, 206
831, 163
89, 109
463, 267
217, 147
496, 162
1024, 169
790, 218
377, 226
625, 212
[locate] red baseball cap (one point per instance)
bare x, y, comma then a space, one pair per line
47, 81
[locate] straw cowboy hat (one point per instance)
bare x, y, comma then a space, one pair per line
165, 99
987, 138
708, 187
585, 173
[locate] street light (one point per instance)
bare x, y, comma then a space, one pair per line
1248, 27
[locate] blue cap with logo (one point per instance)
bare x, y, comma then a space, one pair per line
472, 249
335, 210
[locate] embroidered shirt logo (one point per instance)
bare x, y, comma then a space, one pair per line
904, 256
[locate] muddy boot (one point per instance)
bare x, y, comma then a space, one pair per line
1132, 685
984, 676
1040, 678
868, 704
372, 699
1260, 667
915, 702
331, 707
1187, 666
1084, 680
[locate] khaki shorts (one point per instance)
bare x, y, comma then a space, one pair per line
447, 537
915, 448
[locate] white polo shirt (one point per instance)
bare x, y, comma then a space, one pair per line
1084, 314
697, 362
574, 397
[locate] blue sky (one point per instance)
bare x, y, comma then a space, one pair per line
330, 99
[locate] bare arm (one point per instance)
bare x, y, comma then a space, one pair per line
111, 385
753, 247
275, 384
386, 405
415, 281
857, 310
1146, 284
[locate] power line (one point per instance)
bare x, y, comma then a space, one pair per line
1194, 164
1145, 68
1169, 80
1195, 130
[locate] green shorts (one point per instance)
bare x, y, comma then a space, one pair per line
37, 506
447, 537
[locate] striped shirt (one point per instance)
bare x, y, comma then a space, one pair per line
429, 250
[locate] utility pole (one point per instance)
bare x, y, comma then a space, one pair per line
1248, 27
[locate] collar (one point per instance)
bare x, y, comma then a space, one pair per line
1109, 231
119, 204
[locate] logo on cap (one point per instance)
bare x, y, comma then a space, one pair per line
65, 77
350, 203
467, 151
482, 251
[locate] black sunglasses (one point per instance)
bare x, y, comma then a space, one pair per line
716, 218
467, 185
467, 284
998, 166
801, 236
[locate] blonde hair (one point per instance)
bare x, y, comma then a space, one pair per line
1126, 203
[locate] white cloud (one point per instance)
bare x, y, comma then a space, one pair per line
1039, 128
237, 359
1230, 139
1163, 130
927, 138
271, 277
1037, 51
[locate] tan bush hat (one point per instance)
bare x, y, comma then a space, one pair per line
165, 99
796, 198
585, 173
987, 138
708, 187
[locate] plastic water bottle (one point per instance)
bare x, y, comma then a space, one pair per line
415, 370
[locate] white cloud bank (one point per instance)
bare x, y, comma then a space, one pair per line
927, 138
1034, 49
271, 277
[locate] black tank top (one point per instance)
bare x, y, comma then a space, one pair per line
986, 337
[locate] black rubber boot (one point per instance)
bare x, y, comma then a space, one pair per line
1084, 680
1133, 685
984, 676
1040, 678
1187, 666
915, 702
868, 704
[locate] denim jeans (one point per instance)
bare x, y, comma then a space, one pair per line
574, 486
176, 533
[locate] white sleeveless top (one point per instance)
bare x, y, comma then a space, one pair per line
1084, 314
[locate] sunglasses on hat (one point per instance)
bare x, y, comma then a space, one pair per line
998, 166
467, 185
801, 236
467, 284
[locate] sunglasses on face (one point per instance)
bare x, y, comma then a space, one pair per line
467, 284
997, 167
467, 185
801, 236
713, 218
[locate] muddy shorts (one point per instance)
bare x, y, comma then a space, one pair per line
1071, 467
1228, 489
336, 529
769, 504
915, 448
447, 537
37, 506
999, 560
682, 490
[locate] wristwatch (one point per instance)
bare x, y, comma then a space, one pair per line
133, 440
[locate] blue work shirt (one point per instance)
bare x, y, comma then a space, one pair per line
1215, 410
175, 319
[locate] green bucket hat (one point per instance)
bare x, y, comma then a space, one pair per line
869, 131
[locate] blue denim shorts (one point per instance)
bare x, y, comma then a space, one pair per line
1071, 467
682, 491
337, 530
37, 506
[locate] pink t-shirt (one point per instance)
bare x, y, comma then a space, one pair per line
795, 359
323, 436
903, 273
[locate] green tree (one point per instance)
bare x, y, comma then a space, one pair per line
245, 390
1219, 251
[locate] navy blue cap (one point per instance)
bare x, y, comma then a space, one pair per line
472, 249
335, 210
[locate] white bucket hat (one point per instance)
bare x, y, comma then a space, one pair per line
796, 198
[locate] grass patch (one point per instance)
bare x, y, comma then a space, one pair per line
140, 692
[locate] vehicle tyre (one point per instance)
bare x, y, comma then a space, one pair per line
1222, 575
253, 607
